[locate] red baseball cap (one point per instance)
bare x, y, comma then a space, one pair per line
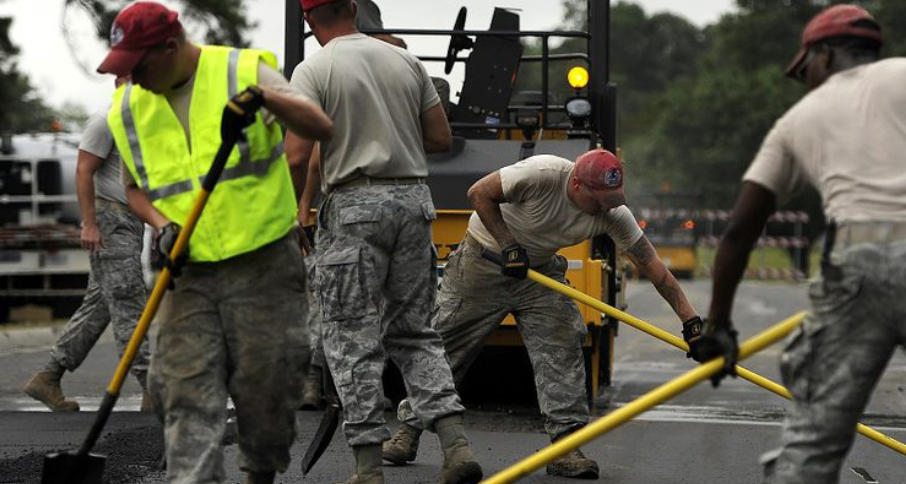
602, 173
836, 21
307, 5
137, 29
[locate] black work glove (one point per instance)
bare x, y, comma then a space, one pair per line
515, 261
164, 242
717, 339
692, 333
240, 112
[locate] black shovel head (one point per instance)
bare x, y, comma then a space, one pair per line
322, 437
72, 468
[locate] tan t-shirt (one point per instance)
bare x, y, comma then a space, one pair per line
541, 216
848, 139
375, 94
97, 140
181, 98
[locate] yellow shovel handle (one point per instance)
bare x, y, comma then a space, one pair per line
678, 342
160, 287
642, 404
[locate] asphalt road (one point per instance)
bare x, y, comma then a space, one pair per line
703, 436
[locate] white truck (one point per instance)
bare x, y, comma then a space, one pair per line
41, 261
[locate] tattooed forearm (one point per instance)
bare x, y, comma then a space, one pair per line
644, 257
642, 252
669, 289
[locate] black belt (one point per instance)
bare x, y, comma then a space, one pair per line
366, 181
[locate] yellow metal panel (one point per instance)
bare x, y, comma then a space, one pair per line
677, 258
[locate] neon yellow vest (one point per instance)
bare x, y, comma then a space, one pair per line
254, 202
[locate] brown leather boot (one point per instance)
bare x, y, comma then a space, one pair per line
45, 388
460, 466
147, 403
574, 464
368, 466
403, 446
260, 477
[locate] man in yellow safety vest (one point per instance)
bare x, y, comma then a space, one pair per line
231, 326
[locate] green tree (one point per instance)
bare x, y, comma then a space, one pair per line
222, 21
20, 108
713, 123
648, 54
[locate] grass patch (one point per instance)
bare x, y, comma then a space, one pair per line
761, 258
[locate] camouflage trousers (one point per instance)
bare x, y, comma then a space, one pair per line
376, 283
115, 296
314, 312
474, 299
833, 361
234, 328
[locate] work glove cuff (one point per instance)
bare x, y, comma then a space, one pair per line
692, 332
164, 243
515, 261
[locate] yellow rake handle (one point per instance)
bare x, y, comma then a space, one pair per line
678, 342
642, 404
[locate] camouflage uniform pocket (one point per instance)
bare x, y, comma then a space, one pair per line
360, 213
340, 288
428, 211
445, 311
795, 365
834, 302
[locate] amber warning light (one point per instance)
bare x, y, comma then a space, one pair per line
577, 77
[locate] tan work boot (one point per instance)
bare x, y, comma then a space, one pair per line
260, 477
403, 446
45, 388
368, 466
460, 466
575, 465
147, 403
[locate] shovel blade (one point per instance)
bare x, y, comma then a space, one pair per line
72, 468
322, 437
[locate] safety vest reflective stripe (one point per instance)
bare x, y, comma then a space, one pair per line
169, 190
232, 83
138, 160
133, 138
257, 168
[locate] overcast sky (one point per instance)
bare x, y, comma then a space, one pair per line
54, 67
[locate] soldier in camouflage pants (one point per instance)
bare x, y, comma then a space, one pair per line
225, 329
475, 298
116, 293
115, 296
376, 284
836, 357
543, 204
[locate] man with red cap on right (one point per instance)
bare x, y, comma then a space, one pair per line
847, 137
526, 212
